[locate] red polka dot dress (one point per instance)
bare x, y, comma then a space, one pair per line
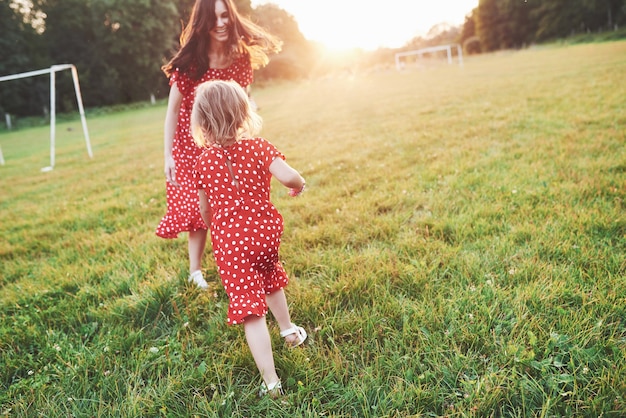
246, 228
183, 211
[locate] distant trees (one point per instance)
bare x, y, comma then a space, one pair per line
514, 23
20, 45
296, 56
118, 47
441, 33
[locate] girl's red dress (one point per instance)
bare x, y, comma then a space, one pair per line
246, 228
183, 211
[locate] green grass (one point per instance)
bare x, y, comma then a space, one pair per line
460, 252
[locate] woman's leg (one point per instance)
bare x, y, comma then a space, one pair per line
260, 344
197, 242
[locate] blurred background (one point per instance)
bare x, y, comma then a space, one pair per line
118, 46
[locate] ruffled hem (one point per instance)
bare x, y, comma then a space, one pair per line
237, 319
258, 308
169, 228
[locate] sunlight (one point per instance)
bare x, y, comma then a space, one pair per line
369, 25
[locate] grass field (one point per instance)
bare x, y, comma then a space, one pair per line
460, 252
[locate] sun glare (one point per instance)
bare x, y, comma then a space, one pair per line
347, 24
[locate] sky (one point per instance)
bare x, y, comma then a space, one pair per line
368, 24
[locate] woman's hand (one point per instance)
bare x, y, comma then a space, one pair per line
169, 131
170, 171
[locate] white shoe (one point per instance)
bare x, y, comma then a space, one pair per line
275, 390
198, 280
300, 334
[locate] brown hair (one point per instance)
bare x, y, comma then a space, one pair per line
222, 114
244, 38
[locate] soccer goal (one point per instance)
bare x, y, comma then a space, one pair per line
420, 53
52, 71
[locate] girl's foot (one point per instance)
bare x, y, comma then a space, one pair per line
294, 336
274, 390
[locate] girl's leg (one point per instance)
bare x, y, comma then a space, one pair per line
277, 302
260, 344
197, 242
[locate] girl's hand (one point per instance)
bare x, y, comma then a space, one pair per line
297, 192
287, 176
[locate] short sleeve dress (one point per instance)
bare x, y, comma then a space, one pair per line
246, 228
183, 211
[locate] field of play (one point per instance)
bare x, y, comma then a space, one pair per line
460, 251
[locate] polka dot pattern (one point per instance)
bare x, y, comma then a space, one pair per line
246, 228
183, 211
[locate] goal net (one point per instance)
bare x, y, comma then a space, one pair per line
400, 64
52, 71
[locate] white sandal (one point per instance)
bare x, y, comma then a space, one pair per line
198, 280
273, 389
300, 333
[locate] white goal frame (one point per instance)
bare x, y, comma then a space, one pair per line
420, 52
52, 71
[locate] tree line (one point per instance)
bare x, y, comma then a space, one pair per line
509, 24
505, 24
118, 46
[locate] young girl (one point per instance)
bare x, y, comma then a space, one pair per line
233, 176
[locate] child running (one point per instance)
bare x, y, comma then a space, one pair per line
233, 176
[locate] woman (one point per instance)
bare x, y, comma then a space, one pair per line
217, 43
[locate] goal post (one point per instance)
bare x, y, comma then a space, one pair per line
52, 71
421, 52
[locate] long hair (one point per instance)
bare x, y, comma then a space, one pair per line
244, 38
222, 114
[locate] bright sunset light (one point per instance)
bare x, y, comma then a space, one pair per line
342, 24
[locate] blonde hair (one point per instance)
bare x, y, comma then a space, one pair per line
222, 114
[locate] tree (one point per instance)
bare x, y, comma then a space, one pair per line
487, 20
557, 18
138, 41
468, 37
244, 7
517, 28
442, 34
603, 13
117, 46
296, 58
512, 23
70, 36
19, 44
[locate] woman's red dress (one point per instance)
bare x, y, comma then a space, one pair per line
183, 211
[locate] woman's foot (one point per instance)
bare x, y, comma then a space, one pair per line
197, 279
294, 336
